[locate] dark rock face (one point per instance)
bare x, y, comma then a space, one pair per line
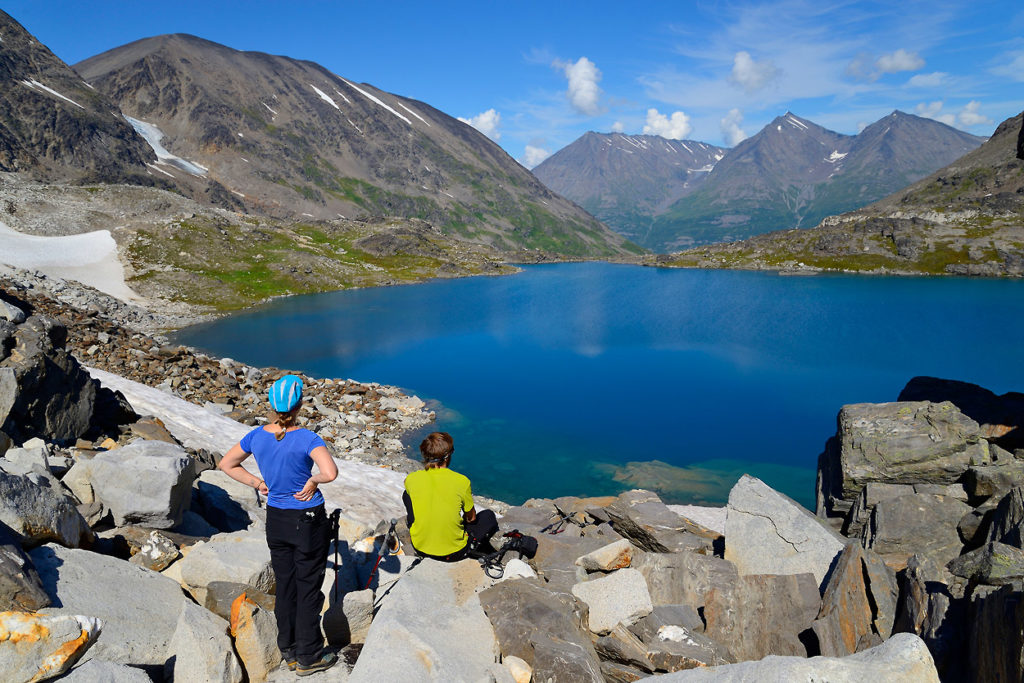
685, 578
1020, 143
73, 132
641, 517
997, 639
1007, 525
20, 587
993, 564
53, 397
919, 523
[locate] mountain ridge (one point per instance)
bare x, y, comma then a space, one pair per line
291, 139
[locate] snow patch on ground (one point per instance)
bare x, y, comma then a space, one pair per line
36, 85
325, 97
414, 114
89, 258
153, 135
376, 100
365, 493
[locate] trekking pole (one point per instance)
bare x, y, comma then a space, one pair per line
335, 524
386, 548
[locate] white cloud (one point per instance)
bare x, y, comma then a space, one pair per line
861, 125
752, 75
487, 123
731, 128
932, 80
933, 110
1014, 70
675, 127
618, 127
900, 60
969, 115
534, 155
583, 93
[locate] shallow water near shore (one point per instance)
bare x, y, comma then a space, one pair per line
593, 378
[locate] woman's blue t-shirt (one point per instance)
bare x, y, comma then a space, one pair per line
285, 465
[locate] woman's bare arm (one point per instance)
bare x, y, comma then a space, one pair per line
231, 465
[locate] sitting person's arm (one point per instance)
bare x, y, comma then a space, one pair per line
409, 516
470, 515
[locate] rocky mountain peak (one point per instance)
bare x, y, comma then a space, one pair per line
290, 139
55, 125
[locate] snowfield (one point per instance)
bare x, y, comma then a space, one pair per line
91, 258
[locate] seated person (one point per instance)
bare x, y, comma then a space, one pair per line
443, 523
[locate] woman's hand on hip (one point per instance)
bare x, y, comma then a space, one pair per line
307, 491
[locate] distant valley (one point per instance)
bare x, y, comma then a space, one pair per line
791, 174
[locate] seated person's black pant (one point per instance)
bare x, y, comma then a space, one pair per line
480, 532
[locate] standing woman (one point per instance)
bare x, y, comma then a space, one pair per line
297, 527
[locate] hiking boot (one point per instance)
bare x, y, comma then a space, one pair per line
326, 660
290, 660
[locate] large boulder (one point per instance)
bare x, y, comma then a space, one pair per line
200, 649
684, 578
929, 608
897, 443
241, 557
904, 657
983, 481
450, 641
521, 610
35, 647
859, 605
767, 532
40, 513
617, 555
556, 558
641, 517
993, 564
1001, 418
1007, 524
96, 671
254, 629
763, 615
148, 483
924, 524
618, 598
227, 504
139, 608
20, 587
47, 392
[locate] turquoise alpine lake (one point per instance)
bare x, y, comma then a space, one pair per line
593, 378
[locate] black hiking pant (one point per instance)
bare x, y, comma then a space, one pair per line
298, 541
480, 531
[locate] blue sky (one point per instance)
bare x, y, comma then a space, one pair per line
535, 76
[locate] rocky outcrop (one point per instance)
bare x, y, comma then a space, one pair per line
41, 513
36, 647
146, 482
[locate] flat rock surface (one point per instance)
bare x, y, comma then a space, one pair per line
139, 608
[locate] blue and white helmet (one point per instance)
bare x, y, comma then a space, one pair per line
286, 393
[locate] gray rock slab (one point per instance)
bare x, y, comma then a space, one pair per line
684, 578
227, 504
96, 671
522, 608
556, 558
620, 645
40, 513
11, 313
255, 632
995, 564
201, 649
146, 482
641, 517
904, 657
763, 615
618, 598
555, 659
912, 442
646, 629
675, 648
982, 481
616, 555
767, 532
241, 557
451, 641
712, 518
924, 524
139, 608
